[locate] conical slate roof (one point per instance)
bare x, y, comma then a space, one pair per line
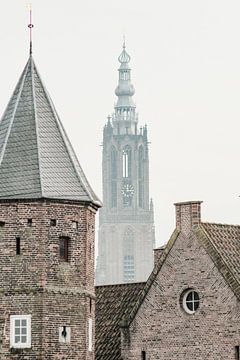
36, 157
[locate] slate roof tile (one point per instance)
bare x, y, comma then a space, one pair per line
36, 157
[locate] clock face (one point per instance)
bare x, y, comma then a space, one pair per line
127, 190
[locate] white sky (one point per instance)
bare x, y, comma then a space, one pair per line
185, 60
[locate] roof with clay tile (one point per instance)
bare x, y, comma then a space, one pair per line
114, 302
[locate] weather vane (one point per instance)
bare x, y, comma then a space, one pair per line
30, 25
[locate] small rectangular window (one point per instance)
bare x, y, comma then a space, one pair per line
18, 246
53, 222
29, 222
237, 353
2, 223
143, 355
20, 331
64, 248
75, 225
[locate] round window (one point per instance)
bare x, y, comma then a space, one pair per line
190, 301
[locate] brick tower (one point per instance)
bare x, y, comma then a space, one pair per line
126, 223
47, 218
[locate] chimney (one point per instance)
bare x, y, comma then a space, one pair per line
188, 215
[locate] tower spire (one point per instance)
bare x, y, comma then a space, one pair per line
30, 26
124, 118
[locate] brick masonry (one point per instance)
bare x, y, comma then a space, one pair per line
161, 326
36, 282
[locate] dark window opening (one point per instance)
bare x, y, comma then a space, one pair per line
2, 223
143, 355
64, 248
90, 305
64, 332
237, 353
18, 246
29, 222
53, 222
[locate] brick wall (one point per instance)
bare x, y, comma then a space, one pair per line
37, 282
164, 330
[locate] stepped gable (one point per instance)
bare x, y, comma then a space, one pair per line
36, 157
113, 304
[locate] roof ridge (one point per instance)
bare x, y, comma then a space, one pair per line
36, 123
23, 76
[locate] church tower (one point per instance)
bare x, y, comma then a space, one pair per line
47, 219
126, 223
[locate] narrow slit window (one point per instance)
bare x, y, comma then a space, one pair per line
237, 352
90, 305
29, 222
18, 246
126, 162
64, 249
143, 355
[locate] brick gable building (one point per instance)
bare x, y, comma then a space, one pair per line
47, 225
189, 307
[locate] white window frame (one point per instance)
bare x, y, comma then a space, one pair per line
20, 345
184, 301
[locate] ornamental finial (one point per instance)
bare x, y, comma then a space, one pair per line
124, 41
30, 26
124, 57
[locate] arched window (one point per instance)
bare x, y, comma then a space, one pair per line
141, 177
140, 162
126, 162
128, 256
113, 177
113, 163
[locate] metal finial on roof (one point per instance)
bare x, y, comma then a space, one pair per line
124, 57
30, 25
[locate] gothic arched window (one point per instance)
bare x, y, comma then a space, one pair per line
113, 177
113, 163
141, 177
126, 162
128, 256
